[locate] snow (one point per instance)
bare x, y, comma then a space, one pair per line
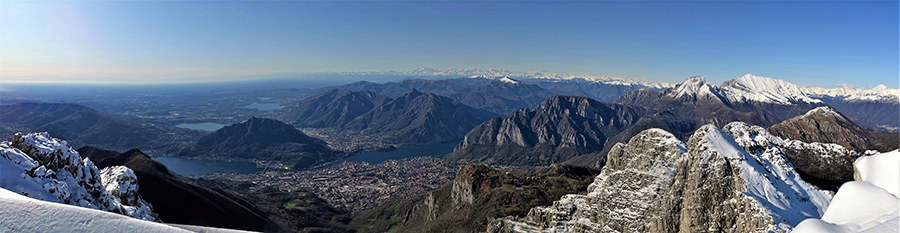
880, 170
768, 177
695, 86
878, 93
826, 110
500, 73
870, 204
509, 80
763, 89
22, 214
45, 168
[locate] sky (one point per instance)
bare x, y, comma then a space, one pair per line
807, 43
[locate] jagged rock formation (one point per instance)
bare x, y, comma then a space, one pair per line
479, 194
80, 125
182, 201
827, 125
736, 180
45, 168
560, 128
262, 139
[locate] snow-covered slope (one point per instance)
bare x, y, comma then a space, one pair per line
45, 168
762, 89
697, 88
870, 204
23, 214
509, 80
732, 180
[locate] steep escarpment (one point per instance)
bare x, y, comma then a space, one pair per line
560, 128
724, 181
827, 125
477, 195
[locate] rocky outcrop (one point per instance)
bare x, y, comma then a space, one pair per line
827, 125
560, 128
179, 200
480, 194
723, 181
45, 168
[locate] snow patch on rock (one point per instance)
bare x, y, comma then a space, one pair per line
45, 168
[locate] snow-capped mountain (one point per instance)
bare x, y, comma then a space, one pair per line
762, 89
498, 74
878, 93
45, 168
735, 179
869, 204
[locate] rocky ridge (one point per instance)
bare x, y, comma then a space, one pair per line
558, 129
45, 168
736, 180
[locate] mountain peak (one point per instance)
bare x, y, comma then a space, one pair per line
825, 110
763, 89
695, 86
509, 80
414, 93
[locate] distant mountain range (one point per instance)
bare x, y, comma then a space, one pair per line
413, 117
265, 140
499, 97
80, 125
500, 73
680, 109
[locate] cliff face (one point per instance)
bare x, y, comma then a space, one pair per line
560, 128
480, 194
726, 181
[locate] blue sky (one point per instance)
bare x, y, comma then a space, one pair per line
807, 43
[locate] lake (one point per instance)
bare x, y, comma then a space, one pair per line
408, 151
187, 167
202, 126
264, 106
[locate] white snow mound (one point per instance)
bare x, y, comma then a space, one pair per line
22, 214
867, 205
